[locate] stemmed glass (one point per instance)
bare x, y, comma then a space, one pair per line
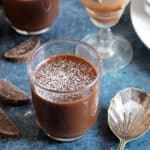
114, 49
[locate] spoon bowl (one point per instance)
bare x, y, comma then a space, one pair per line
129, 115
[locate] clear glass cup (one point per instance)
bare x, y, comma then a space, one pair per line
65, 121
31, 17
114, 49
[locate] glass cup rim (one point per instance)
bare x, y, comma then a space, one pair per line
49, 42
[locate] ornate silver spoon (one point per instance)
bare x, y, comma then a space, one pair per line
129, 115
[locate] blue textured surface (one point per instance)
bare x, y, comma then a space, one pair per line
73, 22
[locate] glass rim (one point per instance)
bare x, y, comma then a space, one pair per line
49, 42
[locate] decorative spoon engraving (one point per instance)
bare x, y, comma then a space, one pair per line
129, 115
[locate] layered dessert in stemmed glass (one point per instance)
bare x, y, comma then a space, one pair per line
115, 50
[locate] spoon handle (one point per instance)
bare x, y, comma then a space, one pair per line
121, 145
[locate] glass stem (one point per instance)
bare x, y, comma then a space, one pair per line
105, 39
121, 145
105, 36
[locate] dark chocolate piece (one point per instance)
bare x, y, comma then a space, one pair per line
10, 94
7, 127
22, 51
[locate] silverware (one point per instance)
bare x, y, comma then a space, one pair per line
129, 115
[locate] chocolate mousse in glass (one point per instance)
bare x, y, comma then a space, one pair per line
31, 16
65, 88
114, 49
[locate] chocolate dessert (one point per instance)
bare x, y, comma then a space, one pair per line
65, 95
31, 15
105, 13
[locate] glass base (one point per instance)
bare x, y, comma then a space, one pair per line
116, 55
57, 138
63, 139
30, 32
23, 32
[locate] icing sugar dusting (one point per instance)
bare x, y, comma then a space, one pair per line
65, 73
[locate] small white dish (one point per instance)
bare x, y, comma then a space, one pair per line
141, 21
147, 6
